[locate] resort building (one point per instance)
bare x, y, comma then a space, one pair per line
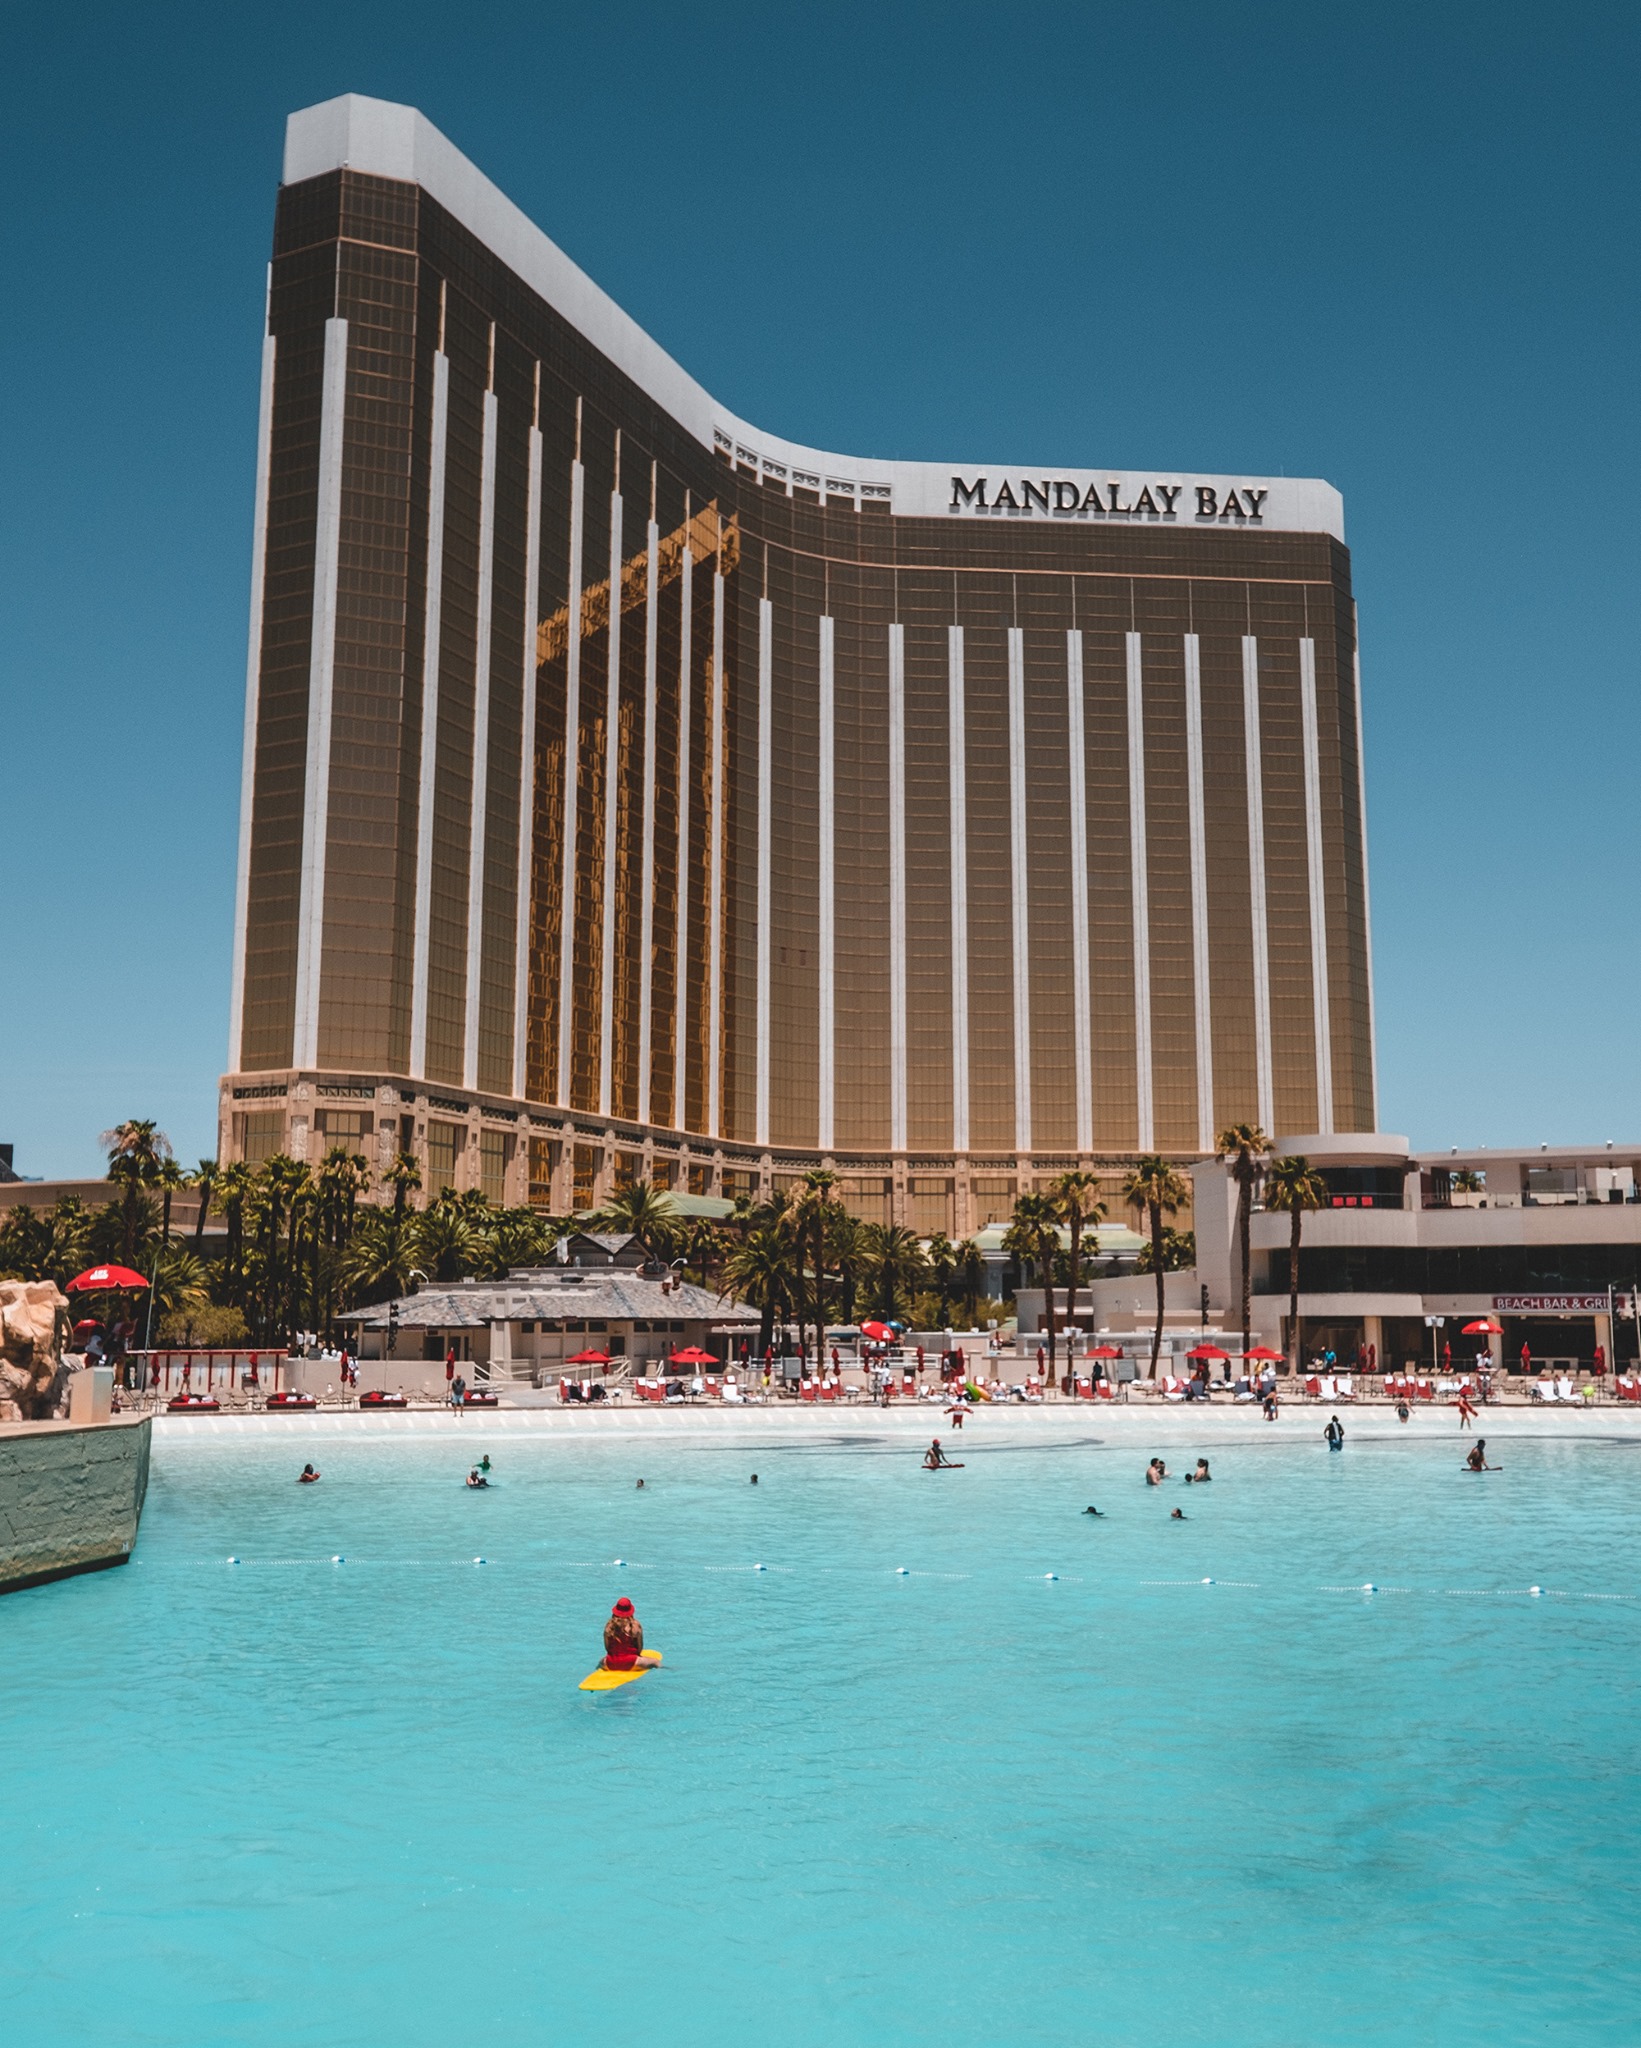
633, 793
1542, 1243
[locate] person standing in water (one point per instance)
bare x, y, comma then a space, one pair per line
1335, 1434
934, 1457
624, 1639
1477, 1460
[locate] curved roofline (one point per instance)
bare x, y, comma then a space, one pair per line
386, 140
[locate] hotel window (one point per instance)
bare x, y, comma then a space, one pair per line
495, 1150
346, 1127
262, 1134
444, 1144
586, 1173
544, 1154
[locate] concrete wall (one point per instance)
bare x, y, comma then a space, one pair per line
70, 1497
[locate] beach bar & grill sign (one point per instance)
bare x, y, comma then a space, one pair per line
1552, 1304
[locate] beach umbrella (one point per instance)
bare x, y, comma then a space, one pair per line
878, 1333
1207, 1351
99, 1279
1483, 1329
693, 1355
1106, 1351
1265, 1355
589, 1358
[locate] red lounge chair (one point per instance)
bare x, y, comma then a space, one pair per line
1104, 1390
806, 1390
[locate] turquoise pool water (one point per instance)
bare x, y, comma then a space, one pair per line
301, 1802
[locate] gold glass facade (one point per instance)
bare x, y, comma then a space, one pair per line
676, 803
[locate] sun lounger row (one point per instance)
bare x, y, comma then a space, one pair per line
1561, 1389
1331, 1387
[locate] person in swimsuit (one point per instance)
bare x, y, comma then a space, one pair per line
1477, 1460
1335, 1434
1201, 1476
1401, 1410
624, 1639
477, 1478
1178, 1515
307, 1476
934, 1457
1156, 1472
1467, 1413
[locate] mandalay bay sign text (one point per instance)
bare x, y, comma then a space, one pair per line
1218, 503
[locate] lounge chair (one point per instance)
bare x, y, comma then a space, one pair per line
1346, 1387
1545, 1390
1564, 1389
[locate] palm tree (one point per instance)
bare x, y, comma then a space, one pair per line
1293, 1184
1033, 1237
643, 1211
759, 1271
168, 1178
896, 1267
818, 1200
1154, 1188
850, 1247
404, 1176
1244, 1148
235, 1184
941, 1254
135, 1150
449, 1239
204, 1178
378, 1259
1076, 1195
971, 1274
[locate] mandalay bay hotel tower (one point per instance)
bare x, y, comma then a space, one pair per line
630, 792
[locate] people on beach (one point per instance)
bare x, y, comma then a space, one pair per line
1335, 1434
624, 1639
307, 1476
1201, 1476
1477, 1460
1467, 1413
934, 1457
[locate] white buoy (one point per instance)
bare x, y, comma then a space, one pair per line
621, 1561
760, 1567
1207, 1582
1536, 1591
1370, 1588
478, 1560
233, 1560
338, 1560
1051, 1575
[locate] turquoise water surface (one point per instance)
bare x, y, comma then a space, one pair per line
899, 1786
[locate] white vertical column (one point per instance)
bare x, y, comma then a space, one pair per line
612, 787
572, 779
1256, 882
310, 929
1372, 1123
432, 620
527, 774
715, 872
1020, 889
1082, 996
1318, 893
1140, 875
826, 1118
897, 888
1198, 810
646, 880
680, 986
957, 750
766, 824
253, 696
480, 805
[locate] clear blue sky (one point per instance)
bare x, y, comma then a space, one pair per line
1393, 246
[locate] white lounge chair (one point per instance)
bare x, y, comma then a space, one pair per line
1347, 1389
1545, 1390
1564, 1389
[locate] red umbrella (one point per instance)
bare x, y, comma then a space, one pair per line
1106, 1351
879, 1333
1265, 1355
99, 1279
1483, 1329
694, 1355
1207, 1351
589, 1358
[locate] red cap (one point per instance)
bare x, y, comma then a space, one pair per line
623, 1605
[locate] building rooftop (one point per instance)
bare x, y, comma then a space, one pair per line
553, 1294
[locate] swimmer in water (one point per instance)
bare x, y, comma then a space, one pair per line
1201, 1476
1178, 1515
307, 1476
1095, 1512
484, 1464
640, 1486
754, 1478
934, 1457
1477, 1460
1156, 1472
477, 1478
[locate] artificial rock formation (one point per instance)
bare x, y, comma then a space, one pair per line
33, 1326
